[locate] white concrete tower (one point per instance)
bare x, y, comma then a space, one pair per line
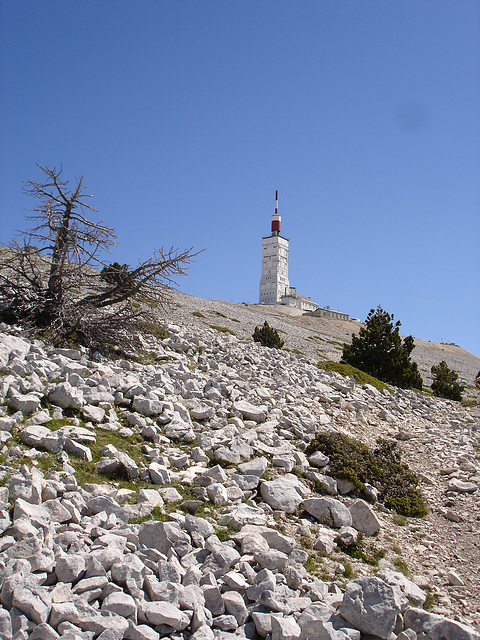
274, 281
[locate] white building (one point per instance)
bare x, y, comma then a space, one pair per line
294, 299
274, 285
330, 313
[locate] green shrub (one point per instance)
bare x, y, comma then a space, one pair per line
268, 336
445, 382
359, 551
353, 461
378, 350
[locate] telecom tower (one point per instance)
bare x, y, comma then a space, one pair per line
274, 282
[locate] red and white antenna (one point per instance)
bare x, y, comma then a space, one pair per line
276, 219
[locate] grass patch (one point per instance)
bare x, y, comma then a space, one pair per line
335, 343
55, 425
47, 463
156, 514
430, 601
224, 533
348, 570
353, 461
154, 329
198, 314
222, 329
347, 371
401, 566
315, 568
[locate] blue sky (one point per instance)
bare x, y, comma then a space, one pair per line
185, 116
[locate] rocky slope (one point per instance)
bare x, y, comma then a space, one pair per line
172, 496
318, 338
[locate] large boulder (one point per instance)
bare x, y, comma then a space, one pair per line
371, 606
329, 511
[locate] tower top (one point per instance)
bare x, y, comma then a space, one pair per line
276, 219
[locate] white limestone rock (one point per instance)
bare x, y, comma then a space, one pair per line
163, 536
35, 603
460, 486
41, 437
285, 493
141, 632
325, 483
318, 459
70, 568
202, 412
254, 467
437, 627
217, 493
285, 628
5, 624
107, 504
12, 347
66, 396
364, 519
249, 411
146, 406
159, 473
325, 541
27, 403
243, 514
120, 603
58, 513
412, 591
178, 429
150, 496
93, 413
235, 606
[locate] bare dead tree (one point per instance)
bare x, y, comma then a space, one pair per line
51, 279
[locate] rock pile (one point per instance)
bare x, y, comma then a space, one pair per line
175, 499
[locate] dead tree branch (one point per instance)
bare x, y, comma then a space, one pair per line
48, 280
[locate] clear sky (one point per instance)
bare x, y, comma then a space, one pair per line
185, 116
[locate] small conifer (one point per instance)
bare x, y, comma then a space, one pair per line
268, 336
445, 382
